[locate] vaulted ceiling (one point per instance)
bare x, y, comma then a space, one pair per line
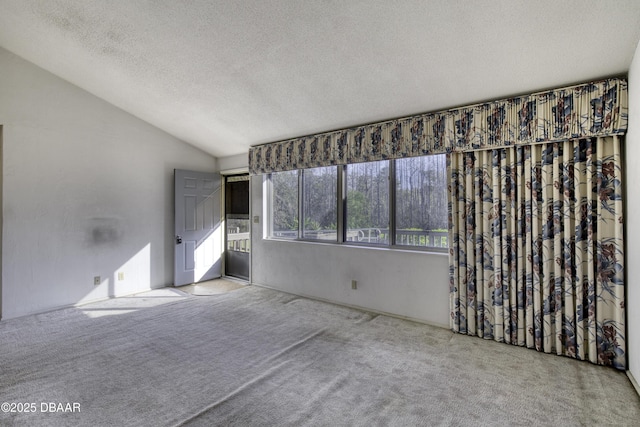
223, 75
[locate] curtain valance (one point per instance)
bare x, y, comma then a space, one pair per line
586, 110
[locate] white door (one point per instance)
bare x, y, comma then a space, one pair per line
198, 233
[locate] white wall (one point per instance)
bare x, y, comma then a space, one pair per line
632, 219
88, 191
405, 283
232, 163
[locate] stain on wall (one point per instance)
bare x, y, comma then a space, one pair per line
104, 231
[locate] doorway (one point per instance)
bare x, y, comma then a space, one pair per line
237, 226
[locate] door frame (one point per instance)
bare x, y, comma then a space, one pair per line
224, 174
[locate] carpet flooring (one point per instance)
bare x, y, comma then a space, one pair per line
257, 357
212, 287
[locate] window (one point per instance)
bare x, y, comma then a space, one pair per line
400, 203
284, 205
319, 203
368, 202
421, 201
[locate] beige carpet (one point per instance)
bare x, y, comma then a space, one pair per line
212, 287
257, 357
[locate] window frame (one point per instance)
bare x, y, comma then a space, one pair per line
395, 230
346, 210
269, 209
301, 216
341, 206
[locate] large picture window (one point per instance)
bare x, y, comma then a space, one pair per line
421, 201
368, 202
319, 203
284, 205
393, 203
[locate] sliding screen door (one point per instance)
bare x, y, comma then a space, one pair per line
238, 226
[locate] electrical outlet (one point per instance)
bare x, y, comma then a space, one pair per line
354, 284
120, 275
96, 280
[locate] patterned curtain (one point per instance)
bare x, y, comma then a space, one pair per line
583, 111
536, 254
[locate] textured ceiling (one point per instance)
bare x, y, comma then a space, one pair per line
223, 75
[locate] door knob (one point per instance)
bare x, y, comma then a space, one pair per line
178, 240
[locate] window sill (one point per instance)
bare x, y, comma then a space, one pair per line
394, 248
